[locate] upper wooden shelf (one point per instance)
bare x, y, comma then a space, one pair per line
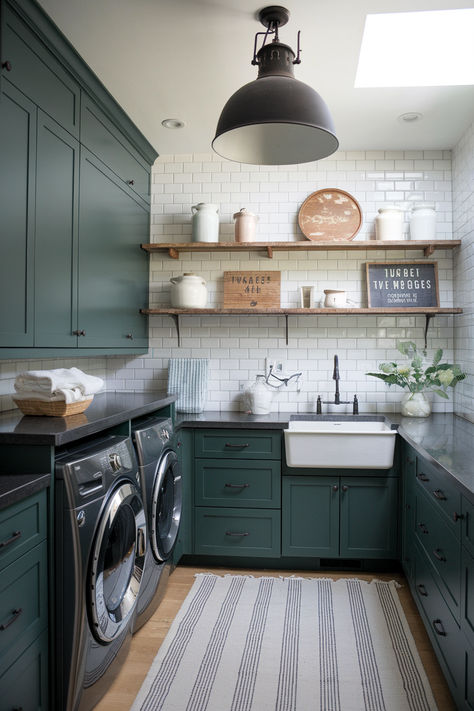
426, 310
175, 248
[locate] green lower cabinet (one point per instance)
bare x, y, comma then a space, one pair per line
235, 483
347, 517
237, 532
467, 596
368, 517
408, 474
25, 684
469, 676
184, 449
310, 516
468, 524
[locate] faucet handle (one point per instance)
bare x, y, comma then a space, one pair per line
335, 375
355, 406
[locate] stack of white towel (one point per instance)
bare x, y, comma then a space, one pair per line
67, 384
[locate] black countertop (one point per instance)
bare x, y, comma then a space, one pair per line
16, 487
446, 440
106, 410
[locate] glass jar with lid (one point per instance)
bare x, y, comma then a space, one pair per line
423, 221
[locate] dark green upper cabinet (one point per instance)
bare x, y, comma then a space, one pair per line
57, 175
17, 193
113, 273
72, 275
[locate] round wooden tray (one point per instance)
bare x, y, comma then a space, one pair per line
330, 215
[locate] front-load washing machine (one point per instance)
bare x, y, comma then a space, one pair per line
161, 482
100, 544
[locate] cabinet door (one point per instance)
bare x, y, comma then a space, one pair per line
57, 187
113, 270
369, 517
310, 516
184, 543
17, 166
408, 508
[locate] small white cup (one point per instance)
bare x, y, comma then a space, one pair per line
306, 297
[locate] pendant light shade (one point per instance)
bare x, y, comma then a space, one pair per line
276, 119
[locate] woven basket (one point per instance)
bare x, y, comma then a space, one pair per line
58, 408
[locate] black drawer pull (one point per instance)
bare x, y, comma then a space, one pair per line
18, 708
423, 528
438, 553
457, 517
228, 444
14, 537
438, 628
422, 477
237, 533
236, 486
422, 590
15, 615
438, 494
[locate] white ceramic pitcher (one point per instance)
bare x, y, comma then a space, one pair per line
188, 291
205, 222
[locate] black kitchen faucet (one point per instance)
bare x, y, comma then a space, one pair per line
337, 397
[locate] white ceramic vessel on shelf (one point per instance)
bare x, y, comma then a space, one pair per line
335, 298
415, 405
423, 221
245, 225
188, 291
389, 223
258, 397
205, 222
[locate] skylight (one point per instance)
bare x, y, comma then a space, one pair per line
434, 48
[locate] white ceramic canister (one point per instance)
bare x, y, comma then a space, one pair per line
423, 221
334, 298
188, 291
205, 222
389, 223
245, 225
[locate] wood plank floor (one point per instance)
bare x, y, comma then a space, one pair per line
147, 641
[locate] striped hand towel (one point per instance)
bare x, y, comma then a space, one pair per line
187, 378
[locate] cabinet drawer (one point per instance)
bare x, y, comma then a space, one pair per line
22, 526
238, 444
442, 491
237, 532
442, 547
443, 630
103, 139
467, 596
38, 74
23, 602
25, 683
468, 524
236, 483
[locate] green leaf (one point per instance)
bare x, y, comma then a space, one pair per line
441, 393
437, 357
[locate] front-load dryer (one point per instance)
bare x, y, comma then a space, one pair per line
161, 482
100, 544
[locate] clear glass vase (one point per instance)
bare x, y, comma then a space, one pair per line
415, 405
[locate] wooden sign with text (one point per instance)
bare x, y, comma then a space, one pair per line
252, 290
402, 284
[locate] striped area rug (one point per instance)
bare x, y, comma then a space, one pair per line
241, 643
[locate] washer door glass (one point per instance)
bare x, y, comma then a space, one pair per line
167, 504
117, 562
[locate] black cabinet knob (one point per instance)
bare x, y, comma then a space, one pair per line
130, 336
7, 65
130, 182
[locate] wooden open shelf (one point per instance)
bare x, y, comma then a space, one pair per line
174, 249
427, 311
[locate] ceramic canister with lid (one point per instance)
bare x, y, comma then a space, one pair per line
389, 223
423, 221
245, 225
205, 222
188, 291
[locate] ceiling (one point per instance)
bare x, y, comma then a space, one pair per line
184, 58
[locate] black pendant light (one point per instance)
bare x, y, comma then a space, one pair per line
276, 119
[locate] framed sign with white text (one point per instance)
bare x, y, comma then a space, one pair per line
402, 284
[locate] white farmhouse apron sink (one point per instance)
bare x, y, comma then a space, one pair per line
339, 442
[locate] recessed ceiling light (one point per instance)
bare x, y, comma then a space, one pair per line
410, 117
172, 123
433, 48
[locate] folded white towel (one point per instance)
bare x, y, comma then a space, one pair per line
71, 384
74, 395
